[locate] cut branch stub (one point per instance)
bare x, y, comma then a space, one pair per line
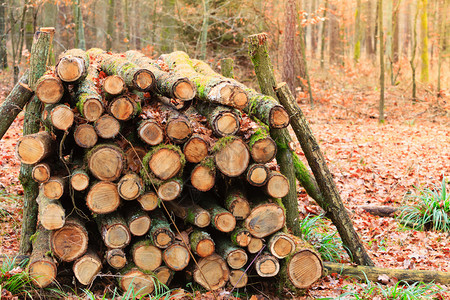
106, 162
85, 136
231, 156
33, 148
49, 88
71, 241
103, 197
72, 65
107, 127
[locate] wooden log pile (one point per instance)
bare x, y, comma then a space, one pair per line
151, 167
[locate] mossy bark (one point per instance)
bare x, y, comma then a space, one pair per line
160, 226
88, 91
227, 67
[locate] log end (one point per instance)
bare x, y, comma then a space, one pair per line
144, 80
184, 90
149, 201
114, 85
195, 149
147, 257
92, 109
264, 150
232, 160
70, 69
140, 226
50, 90
203, 178
304, 268
107, 127
85, 136
170, 190
103, 197
42, 273
205, 248
278, 117
176, 257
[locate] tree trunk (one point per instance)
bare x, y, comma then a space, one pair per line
332, 202
114, 230
413, 54
70, 241
357, 48
80, 42
335, 38
110, 25
395, 32
442, 42
370, 49
38, 59
289, 75
42, 266
146, 256
29, 24
87, 267
324, 35
424, 41
203, 39
103, 197
227, 67
3, 51
381, 35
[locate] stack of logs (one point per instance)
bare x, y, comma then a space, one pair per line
149, 167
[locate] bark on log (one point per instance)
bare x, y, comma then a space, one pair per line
146, 256
49, 88
212, 272
149, 201
160, 232
223, 120
51, 213
103, 197
33, 148
281, 245
237, 204
201, 243
381, 211
231, 156
89, 96
79, 179
106, 162
190, 213
265, 218
58, 116
257, 174
235, 257
107, 127
221, 219
130, 186
20, 95
116, 258
267, 265
168, 84
87, 267
133, 279
114, 230
240, 236
70, 241
150, 132
176, 256
85, 136
277, 185
54, 187
203, 176
41, 172
72, 65
137, 220
332, 203
262, 147
372, 273
212, 89
42, 266
38, 59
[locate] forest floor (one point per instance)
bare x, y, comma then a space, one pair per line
371, 163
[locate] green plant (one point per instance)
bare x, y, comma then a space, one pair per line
13, 279
431, 209
316, 231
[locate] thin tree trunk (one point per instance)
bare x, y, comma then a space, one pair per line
126, 24
424, 42
168, 26
369, 33
357, 49
413, 54
407, 30
289, 45
381, 34
395, 31
80, 41
375, 32
3, 52
204, 31
314, 29
29, 27
335, 38
38, 60
110, 25
323, 36
443, 16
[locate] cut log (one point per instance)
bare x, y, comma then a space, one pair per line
176, 256
190, 213
72, 65
237, 204
164, 162
238, 278
267, 265
149, 201
41, 172
54, 187
103, 197
212, 89
164, 275
42, 266
137, 220
89, 96
281, 245
124, 108
85, 136
240, 236
168, 84
58, 116
134, 76
130, 186
195, 149
33, 148
114, 85
70, 241
381, 211
170, 189
106, 162
231, 156
277, 185
87, 267
107, 127
235, 257
203, 176
177, 104
51, 213
49, 88
79, 180
265, 218
134, 156
221, 219
178, 128
262, 147
134, 280
255, 245
116, 258
212, 272
114, 230
150, 132
160, 232
223, 121
201, 243
146, 256
304, 267
257, 174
